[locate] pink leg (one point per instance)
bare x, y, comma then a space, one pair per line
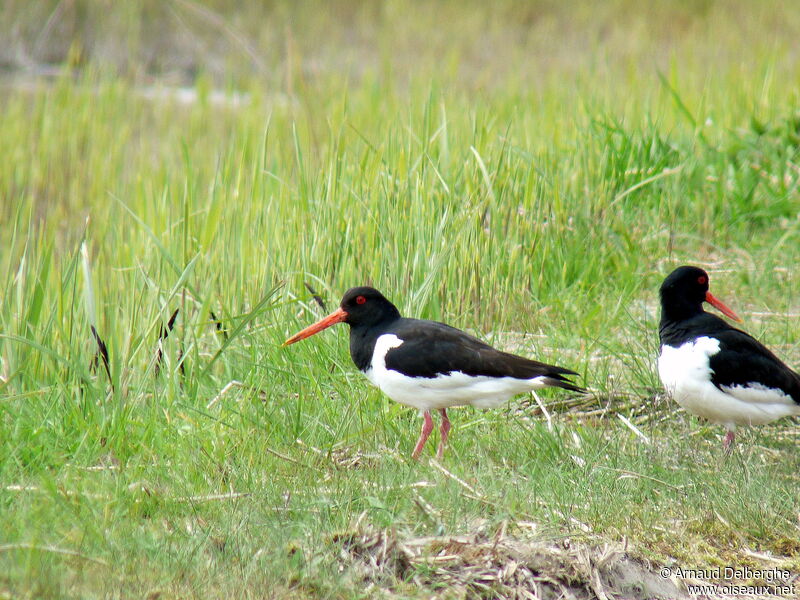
444, 429
427, 427
726, 443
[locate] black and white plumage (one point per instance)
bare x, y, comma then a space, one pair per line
714, 370
430, 365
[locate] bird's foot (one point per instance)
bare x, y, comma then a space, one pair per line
727, 441
440, 451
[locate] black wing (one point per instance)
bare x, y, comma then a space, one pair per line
744, 360
430, 349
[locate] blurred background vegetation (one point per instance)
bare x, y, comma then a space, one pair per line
479, 45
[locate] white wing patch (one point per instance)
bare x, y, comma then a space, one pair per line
443, 391
686, 373
758, 393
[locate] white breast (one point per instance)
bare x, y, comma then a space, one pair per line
686, 373
443, 391
687, 367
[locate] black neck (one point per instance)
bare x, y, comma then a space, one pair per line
676, 313
674, 331
678, 310
363, 338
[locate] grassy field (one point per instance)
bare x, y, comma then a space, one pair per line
529, 174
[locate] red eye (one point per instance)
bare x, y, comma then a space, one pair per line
360, 300
702, 280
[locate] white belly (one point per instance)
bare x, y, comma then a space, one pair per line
444, 391
686, 374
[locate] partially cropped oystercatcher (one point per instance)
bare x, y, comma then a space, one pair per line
430, 365
714, 370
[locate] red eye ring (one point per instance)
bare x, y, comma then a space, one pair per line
360, 300
702, 280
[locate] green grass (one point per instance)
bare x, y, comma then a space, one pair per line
541, 179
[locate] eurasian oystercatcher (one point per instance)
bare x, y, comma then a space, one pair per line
430, 365
714, 370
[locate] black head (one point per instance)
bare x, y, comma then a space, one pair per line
365, 306
685, 286
360, 307
684, 291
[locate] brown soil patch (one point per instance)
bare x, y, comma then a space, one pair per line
476, 566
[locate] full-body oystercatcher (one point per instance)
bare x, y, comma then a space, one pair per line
714, 370
430, 365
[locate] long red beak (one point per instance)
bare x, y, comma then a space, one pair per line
336, 316
719, 305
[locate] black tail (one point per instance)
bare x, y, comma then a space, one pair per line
559, 381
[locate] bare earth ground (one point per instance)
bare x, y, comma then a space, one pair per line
500, 566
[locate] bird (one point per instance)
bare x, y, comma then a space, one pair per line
714, 370
429, 365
